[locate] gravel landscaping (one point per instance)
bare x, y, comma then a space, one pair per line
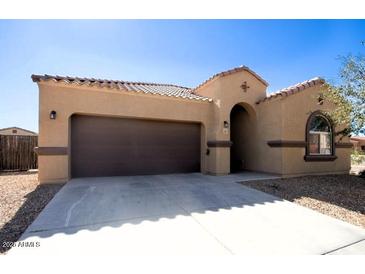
21, 200
339, 196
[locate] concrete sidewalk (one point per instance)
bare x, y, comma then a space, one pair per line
182, 214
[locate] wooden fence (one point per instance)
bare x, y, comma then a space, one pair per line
16, 152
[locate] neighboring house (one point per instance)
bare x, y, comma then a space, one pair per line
17, 131
92, 127
358, 143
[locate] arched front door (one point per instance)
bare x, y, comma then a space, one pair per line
240, 135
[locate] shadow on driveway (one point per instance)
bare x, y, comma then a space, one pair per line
182, 213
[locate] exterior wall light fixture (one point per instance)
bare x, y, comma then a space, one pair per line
225, 124
52, 115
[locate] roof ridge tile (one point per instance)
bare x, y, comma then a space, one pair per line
293, 89
228, 72
147, 88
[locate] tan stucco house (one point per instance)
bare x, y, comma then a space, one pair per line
93, 127
17, 131
358, 143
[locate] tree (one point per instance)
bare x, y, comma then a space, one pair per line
349, 97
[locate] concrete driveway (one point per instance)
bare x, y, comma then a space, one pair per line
188, 214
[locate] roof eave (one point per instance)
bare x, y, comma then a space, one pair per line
293, 89
110, 84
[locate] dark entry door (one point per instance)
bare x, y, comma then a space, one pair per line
238, 120
104, 146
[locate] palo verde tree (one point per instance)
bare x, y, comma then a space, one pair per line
349, 97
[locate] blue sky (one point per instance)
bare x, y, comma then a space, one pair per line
283, 52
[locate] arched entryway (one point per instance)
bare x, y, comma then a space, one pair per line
242, 134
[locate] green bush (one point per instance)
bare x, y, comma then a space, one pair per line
357, 157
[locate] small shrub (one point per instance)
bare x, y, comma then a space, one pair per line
357, 157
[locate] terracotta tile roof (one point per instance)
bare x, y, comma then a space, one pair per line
228, 72
293, 89
150, 88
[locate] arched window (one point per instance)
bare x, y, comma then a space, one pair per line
319, 138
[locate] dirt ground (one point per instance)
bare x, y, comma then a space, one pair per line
21, 200
339, 196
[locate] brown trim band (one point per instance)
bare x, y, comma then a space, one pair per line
289, 143
51, 150
219, 143
286, 143
319, 158
343, 145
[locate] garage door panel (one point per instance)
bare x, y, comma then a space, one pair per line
102, 146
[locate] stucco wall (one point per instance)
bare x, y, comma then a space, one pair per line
294, 164
358, 143
68, 100
269, 127
226, 92
283, 118
297, 109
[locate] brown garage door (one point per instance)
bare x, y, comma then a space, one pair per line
103, 146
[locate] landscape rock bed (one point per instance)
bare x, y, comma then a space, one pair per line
22, 198
339, 196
